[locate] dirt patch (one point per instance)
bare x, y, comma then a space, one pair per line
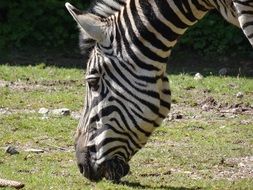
239, 108
40, 85
207, 107
234, 168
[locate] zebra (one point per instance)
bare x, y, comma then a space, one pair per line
127, 43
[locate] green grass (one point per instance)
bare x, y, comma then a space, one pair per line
187, 153
38, 73
34, 87
185, 88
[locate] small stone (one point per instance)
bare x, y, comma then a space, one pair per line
239, 95
241, 165
245, 122
198, 76
43, 111
223, 71
206, 107
11, 150
62, 112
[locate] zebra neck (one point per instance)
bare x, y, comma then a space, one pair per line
148, 30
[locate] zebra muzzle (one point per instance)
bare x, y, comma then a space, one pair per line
112, 170
115, 169
86, 167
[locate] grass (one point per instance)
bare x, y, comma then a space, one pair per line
201, 150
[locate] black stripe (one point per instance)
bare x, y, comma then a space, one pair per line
114, 140
121, 95
169, 14
246, 3
147, 35
245, 12
152, 107
112, 150
250, 36
199, 6
182, 5
164, 30
111, 7
109, 127
131, 117
118, 125
108, 111
143, 118
131, 54
121, 2
247, 24
136, 41
147, 79
166, 92
166, 104
217, 5
146, 92
207, 3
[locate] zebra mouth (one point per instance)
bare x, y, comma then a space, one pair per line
86, 167
115, 169
112, 170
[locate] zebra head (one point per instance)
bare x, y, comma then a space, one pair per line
126, 99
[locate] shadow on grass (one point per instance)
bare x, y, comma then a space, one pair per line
137, 185
58, 58
180, 62
191, 64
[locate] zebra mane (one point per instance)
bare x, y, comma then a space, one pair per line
104, 9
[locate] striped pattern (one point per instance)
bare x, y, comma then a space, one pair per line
229, 9
128, 93
244, 10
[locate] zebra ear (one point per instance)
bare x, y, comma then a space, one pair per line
90, 23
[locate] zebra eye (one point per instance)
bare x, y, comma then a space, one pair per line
93, 81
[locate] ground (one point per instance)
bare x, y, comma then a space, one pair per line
206, 142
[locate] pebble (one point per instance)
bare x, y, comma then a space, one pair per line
241, 165
61, 111
12, 150
239, 95
198, 76
206, 107
43, 111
